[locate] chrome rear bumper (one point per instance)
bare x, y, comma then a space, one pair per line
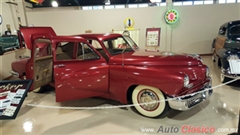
15, 74
186, 103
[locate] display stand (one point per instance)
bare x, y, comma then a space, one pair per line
153, 38
238, 132
12, 95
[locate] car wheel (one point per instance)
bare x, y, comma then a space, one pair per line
37, 90
146, 94
40, 89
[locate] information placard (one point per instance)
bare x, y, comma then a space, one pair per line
12, 95
153, 37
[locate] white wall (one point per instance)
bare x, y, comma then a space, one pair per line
99, 21
197, 26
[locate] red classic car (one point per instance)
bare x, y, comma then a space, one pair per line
93, 65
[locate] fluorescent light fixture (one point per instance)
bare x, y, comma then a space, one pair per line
132, 6
177, 3
187, 3
54, 4
109, 7
119, 6
221, 1
163, 4
208, 2
87, 8
97, 7
231, 1
142, 5
198, 2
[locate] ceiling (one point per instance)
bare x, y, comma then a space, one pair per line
63, 3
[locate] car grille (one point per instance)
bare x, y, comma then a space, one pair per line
194, 100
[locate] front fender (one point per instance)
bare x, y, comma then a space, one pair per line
121, 78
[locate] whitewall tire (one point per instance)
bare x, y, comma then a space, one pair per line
147, 94
37, 90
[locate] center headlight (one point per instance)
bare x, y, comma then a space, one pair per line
186, 81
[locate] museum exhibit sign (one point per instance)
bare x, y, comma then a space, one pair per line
153, 37
12, 95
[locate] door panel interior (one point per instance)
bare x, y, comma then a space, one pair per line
43, 71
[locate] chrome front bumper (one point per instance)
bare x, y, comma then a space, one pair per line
186, 103
227, 73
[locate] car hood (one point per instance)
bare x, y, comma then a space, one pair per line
156, 58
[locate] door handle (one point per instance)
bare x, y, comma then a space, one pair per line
60, 65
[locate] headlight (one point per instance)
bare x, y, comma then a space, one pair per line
207, 72
186, 81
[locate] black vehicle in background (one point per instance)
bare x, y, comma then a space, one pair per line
226, 50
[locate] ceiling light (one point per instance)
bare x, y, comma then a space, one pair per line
54, 4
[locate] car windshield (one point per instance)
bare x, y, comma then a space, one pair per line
235, 30
120, 45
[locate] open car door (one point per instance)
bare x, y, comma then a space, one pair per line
79, 70
40, 66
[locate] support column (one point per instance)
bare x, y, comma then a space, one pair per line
22, 13
18, 13
169, 28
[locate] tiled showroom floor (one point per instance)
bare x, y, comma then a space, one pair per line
220, 112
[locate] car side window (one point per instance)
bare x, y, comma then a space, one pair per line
99, 48
84, 52
65, 50
43, 47
95, 44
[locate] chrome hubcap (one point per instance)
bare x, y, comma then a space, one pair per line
148, 100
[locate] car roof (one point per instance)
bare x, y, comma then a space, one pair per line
71, 38
231, 23
100, 36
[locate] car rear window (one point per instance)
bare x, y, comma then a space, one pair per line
235, 30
